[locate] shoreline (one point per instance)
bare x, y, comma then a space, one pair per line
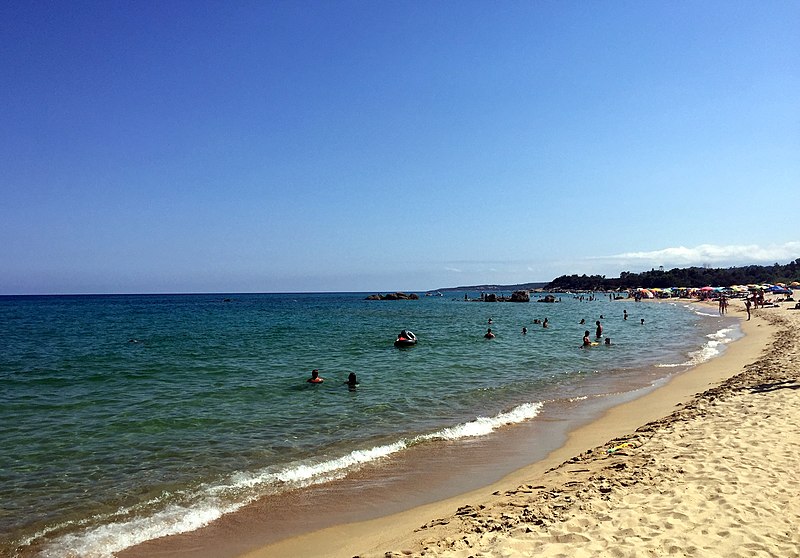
439, 526
417, 477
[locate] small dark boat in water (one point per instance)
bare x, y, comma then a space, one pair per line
405, 339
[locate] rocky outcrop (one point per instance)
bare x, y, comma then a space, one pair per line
520, 296
394, 296
548, 298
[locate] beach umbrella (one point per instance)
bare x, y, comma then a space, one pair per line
706, 289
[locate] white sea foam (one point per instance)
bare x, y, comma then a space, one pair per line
213, 501
579, 398
700, 311
482, 426
105, 540
709, 350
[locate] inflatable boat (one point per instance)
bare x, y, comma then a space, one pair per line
405, 339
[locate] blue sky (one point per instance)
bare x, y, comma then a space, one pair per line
377, 146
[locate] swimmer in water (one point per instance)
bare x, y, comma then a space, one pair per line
524, 330
586, 341
608, 341
489, 334
315, 377
352, 381
599, 330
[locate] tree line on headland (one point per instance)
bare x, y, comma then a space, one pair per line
692, 277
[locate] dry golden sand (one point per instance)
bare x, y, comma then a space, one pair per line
716, 475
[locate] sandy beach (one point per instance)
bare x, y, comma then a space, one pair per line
703, 466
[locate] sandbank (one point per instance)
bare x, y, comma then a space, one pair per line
702, 466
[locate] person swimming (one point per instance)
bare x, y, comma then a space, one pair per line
586, 341
352, 381
599, 330
489, 334
608, 341
315, 377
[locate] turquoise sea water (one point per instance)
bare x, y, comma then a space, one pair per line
129, 417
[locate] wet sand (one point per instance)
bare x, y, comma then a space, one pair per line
703, 466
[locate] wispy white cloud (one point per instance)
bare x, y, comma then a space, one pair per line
711, 254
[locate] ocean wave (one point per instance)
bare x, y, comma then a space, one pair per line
710, 349
210, 502
700, 311
486, 425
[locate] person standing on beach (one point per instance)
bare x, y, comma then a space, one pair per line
747, 307
599, 330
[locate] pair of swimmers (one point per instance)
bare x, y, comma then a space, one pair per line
588, 342
315, 378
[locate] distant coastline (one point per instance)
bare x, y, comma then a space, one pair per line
517, 287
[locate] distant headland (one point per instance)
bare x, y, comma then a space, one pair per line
690, 277
518, 287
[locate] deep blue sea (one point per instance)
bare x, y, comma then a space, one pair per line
129, 417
